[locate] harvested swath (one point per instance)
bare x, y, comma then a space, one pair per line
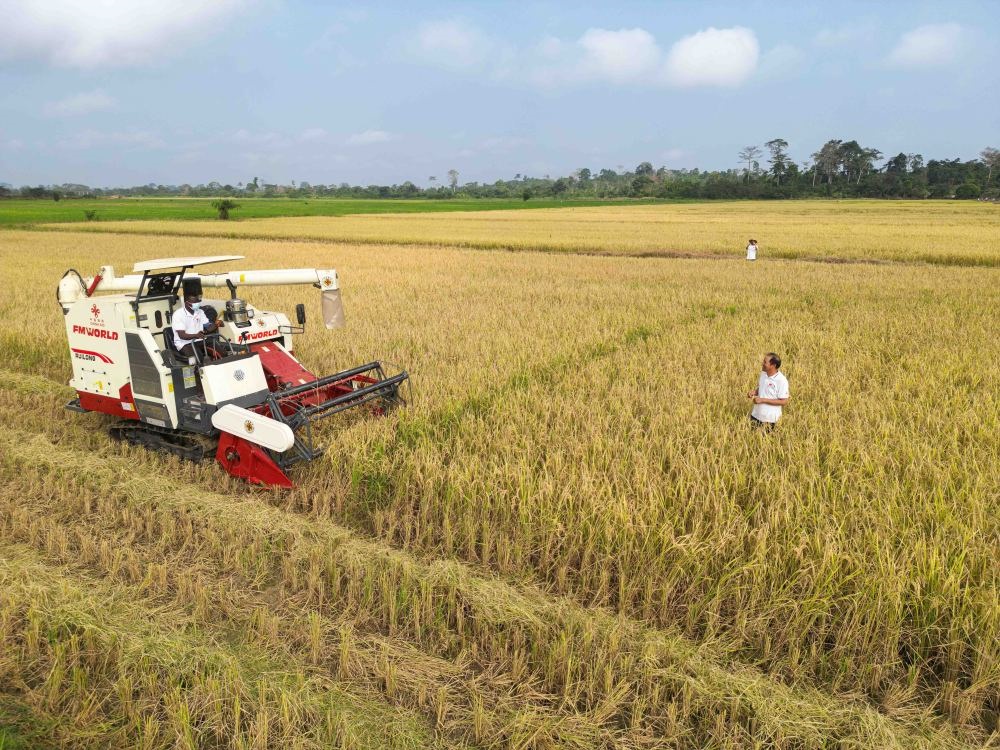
609, 668
275, 605
117, 673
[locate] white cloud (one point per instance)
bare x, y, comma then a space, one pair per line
369, 137
927, 46
80, 104
104, 33
713, 57
622, 56
452, 44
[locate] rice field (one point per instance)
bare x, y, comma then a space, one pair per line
570, 537
944, 232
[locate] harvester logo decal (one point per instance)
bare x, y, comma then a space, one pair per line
97, 333
239, 375
248, 426
95, 316
261, 335
89, 356
95, 311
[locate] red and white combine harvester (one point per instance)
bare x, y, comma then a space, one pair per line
239, 393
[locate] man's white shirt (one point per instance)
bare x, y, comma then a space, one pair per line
770, 386
751, 252
188, 322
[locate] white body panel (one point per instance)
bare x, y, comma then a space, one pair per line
97, 330
96, 336
227, 381
254, 427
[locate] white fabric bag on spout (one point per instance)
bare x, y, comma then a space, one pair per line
333, 309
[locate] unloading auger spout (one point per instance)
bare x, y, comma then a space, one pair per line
238, 392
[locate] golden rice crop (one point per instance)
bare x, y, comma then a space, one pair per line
945, 232
570, 537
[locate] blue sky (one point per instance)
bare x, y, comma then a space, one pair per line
113, 93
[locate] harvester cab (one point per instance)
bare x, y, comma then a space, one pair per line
238, 393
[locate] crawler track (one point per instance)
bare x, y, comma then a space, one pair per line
186, 445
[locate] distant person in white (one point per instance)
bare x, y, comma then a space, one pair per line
189, 321
770, 394
752, 250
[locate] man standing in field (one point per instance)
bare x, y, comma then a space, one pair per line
770, 394
752, 250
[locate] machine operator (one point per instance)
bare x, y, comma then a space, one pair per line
189, 322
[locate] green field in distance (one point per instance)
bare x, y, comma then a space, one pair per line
18, 211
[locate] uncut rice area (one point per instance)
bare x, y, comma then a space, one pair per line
575, 448
942, 232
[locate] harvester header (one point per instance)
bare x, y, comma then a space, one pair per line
231, 385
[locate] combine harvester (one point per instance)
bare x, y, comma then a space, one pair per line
241, 395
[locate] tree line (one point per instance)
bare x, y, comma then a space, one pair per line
838, 169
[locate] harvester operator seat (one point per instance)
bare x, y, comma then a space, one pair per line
168, 339
171, 357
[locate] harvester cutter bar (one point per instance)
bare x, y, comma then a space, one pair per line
328, 380
386, 388
300, 406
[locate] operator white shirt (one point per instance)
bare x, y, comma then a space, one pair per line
189, 322
751, 252
770, 386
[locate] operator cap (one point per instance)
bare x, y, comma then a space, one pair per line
192, 287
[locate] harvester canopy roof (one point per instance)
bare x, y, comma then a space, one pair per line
161, 264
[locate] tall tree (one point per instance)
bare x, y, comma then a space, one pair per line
850, 153
896, 165
810, 167
749, 154
868, 158
453, 179
827, 159
991, 157
779, 157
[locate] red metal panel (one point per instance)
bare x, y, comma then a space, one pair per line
109, 405
279, 367
249, 461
